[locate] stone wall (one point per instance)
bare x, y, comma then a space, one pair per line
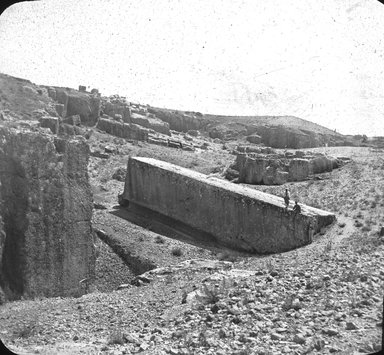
237, 216
46, 208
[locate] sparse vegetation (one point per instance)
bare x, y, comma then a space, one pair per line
177, 251
159, 239
116, 337
334, 280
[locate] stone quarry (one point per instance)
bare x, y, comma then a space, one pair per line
46, 238
236, 216
265, 166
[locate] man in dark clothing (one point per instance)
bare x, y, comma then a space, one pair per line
286, 198
297, 208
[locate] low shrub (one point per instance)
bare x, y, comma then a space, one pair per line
176, 251
159, 240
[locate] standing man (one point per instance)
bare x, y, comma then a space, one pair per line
286, 198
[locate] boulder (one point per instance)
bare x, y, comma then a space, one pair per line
299, 169
152, 123
46, 209
123, 130
321, 164
255, 139
70, 130
252, 172
50, 122
118, 117
80, 103
288, 137
274, 176
119, 174
119, 108
73, 120
193, 132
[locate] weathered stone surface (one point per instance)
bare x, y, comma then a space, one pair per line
80, 103
46, 209
158, 141
60, 109
286, 137
178, 121
151, 123
117, 108
252, 171
123, 130
259, 170
51, 92
299, 169
255, 139
321, 164
73, 120
235, 215
50, 122
70, 130
193, 132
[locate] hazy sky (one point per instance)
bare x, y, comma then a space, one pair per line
318, 60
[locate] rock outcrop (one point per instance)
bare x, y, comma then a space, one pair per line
46, 238
287, 137
152, 123
123, 130
260, 171
87, 106
299, 169
271, 168
179, 121
117, 107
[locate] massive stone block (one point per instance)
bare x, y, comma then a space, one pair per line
321, 164
123, 130
237, 216
178, 121
79, 103
152, 123
46, 239
299, 169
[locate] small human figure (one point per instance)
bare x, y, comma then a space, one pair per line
297, 208
286, 198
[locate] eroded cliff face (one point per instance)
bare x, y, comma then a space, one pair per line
46, 239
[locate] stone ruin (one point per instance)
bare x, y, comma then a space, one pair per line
235, 216
264, 166
46, 238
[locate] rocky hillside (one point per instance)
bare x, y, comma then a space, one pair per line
154, 291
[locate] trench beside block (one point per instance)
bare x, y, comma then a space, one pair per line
237, 216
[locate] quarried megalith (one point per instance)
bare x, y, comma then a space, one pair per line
46, 239
235, 215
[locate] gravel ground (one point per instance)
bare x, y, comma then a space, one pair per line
326, 297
